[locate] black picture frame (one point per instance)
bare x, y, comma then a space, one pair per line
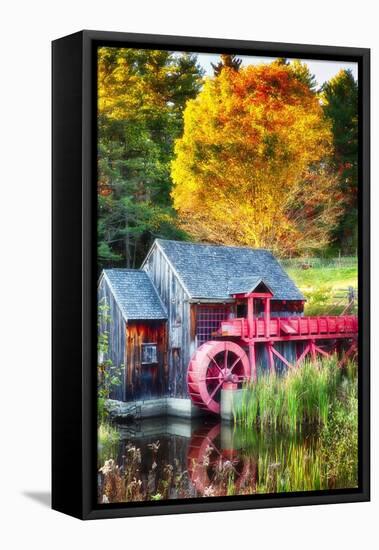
74, 273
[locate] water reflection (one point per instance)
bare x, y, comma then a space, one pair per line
213, 461
170, 458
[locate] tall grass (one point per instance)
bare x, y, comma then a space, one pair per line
339, 438
300, 396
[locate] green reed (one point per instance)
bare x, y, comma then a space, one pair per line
300, 396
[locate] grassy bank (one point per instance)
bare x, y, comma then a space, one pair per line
324, 286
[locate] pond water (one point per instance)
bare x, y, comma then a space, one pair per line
167, 458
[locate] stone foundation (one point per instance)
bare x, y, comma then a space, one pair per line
171, 406
149, 408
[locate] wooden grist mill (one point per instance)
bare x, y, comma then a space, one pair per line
230, 359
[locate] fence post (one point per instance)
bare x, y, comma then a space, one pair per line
350, 297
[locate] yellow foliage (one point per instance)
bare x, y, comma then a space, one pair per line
250, 139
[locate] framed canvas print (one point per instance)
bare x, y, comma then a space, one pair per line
210, 274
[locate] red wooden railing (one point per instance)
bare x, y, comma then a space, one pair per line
292, 328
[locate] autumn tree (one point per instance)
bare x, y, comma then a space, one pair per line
141, 98
340, 99
252, 165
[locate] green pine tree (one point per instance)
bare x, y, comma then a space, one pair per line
340, 98
302, 73
142, 95
227, 60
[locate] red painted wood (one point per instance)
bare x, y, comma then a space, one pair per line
271, 363
253, 365
303, 355
275, 351
294, 328
211, 367
321, 351
267, 317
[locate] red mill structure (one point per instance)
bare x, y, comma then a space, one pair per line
225, 363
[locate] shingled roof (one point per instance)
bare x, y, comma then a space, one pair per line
135, 294
245, 285
207, 271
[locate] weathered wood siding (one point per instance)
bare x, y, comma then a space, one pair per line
175, 299
115, 326
145, 381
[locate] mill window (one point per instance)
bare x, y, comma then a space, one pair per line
208, 320
149, 353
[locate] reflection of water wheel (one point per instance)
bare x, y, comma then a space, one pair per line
213, 364
205, 456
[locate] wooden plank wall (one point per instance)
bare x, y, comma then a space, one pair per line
145, 381
116, 328
178, 308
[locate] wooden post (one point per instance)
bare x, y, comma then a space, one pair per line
270, 354
350, 299
253, 365
312, 350
267, 317
250, 315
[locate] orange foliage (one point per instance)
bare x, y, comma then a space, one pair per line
251, 139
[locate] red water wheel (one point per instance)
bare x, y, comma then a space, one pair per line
214, 364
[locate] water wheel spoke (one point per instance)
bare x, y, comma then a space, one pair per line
209, 378
215, 362
226, 359
215, 391
235, 363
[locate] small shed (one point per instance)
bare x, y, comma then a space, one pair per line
136, 322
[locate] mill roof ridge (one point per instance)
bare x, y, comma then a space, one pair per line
214, 245
206, 270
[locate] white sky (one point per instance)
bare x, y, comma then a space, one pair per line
323, 70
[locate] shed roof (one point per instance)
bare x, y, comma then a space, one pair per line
245, 285
207, 271
135, 294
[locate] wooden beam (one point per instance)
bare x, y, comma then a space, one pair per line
281, 357
303, 355
271, 363
252, 362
